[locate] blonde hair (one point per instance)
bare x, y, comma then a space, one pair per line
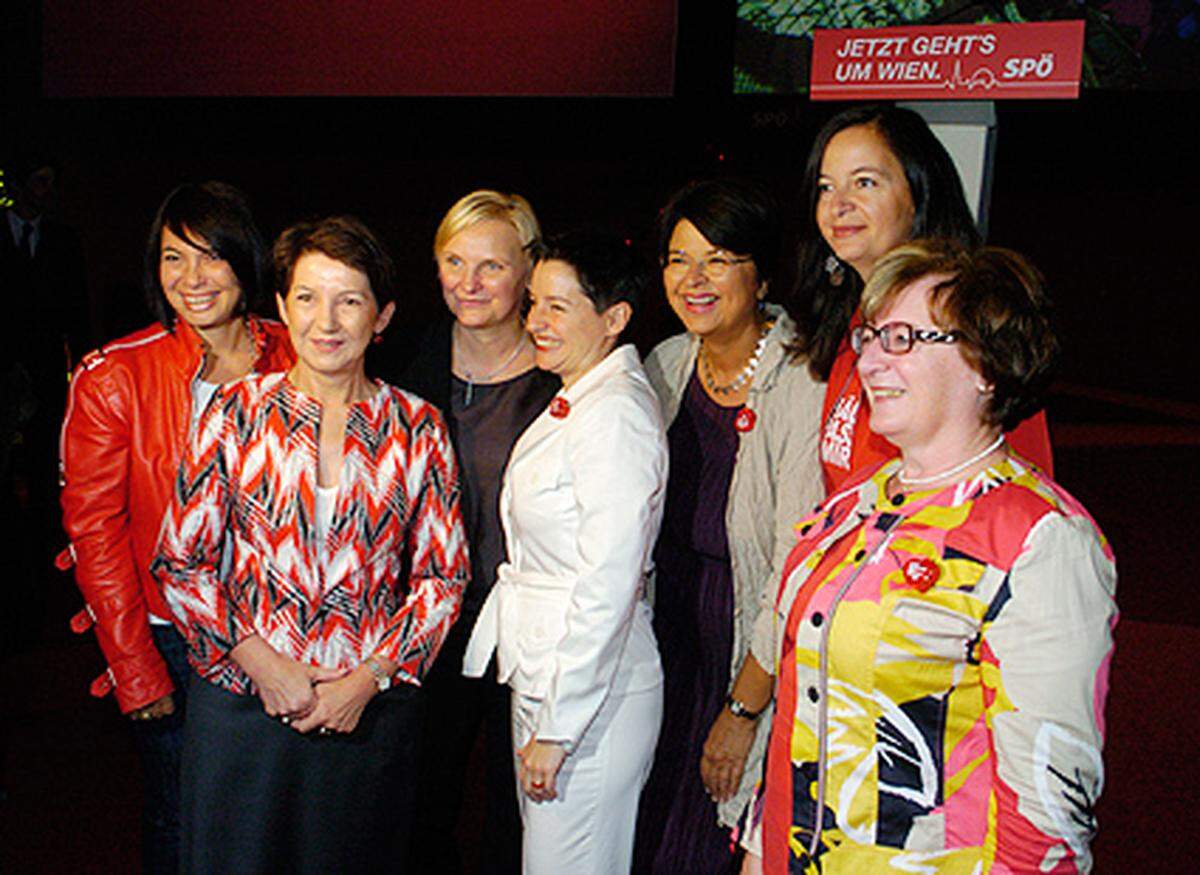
485, 205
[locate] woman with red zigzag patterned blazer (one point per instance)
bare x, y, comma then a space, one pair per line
314, 557
130, 407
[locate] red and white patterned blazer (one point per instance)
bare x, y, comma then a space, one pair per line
391, 573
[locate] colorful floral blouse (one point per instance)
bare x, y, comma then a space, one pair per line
943, 665
387, 579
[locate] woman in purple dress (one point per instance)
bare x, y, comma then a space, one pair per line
743, 415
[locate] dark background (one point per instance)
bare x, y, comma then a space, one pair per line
1101, 193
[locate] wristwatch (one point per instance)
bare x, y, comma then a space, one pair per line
383, 680
739, 709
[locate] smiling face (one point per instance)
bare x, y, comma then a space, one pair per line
864, 206
199, 284
331, 316
709, 308
928, 400
483, 271
569, 336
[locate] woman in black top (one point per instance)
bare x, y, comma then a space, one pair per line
478, 367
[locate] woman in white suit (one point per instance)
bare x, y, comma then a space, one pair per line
581, 506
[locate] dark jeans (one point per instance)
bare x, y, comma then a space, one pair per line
159, 744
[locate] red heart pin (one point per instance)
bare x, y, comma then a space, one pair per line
921, 573
560, 407
745, 419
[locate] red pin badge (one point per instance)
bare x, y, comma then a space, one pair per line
560, 407
921, 573
745, 419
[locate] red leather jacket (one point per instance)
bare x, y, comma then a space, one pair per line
128, 412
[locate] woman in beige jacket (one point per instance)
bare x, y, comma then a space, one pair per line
743, 417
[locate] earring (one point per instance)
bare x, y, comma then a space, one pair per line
378, 338
833, 267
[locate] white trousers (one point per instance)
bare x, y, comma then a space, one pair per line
588, 828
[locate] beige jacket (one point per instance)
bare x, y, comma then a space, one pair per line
776, 482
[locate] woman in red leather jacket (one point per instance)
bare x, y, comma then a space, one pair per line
129, 409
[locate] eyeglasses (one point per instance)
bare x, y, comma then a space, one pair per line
714, 266
898, 337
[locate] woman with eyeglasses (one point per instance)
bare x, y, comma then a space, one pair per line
876, 177
743, 416
944, 627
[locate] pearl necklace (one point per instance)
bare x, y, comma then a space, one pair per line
472, 379
941, 475
747, 371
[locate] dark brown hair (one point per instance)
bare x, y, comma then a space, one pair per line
821, 309
343, 238
997, 303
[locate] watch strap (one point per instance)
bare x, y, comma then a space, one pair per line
383, 680
739, 709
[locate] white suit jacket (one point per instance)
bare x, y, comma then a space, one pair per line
581, 505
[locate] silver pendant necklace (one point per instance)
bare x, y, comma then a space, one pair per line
471, 379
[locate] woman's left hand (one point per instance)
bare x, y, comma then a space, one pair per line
540, 762
340, 703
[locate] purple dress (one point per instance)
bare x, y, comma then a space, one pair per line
693, 622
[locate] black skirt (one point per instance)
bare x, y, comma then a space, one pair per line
259, 797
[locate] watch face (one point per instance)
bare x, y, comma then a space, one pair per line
737, 709
382, 680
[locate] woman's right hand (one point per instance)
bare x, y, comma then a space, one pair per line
285, 686
156, 710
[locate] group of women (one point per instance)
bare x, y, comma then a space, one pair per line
648, 606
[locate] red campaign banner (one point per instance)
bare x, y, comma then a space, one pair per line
948, 62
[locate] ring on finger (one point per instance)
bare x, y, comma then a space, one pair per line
324, 730
286, 720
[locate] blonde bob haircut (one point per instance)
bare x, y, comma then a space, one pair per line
485, 205
995, 301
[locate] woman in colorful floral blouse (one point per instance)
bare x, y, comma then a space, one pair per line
944, 626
